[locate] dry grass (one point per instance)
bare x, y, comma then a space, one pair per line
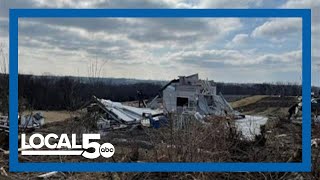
248, 100
53, 116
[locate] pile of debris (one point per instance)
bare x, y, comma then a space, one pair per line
115, 115
295, 111
4, 124
4, 133
26, 122
35, 120
186, 95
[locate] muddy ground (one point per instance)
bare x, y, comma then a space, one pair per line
280, 142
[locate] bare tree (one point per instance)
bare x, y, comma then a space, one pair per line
4, 91
94, 69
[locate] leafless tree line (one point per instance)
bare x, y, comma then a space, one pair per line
4, 91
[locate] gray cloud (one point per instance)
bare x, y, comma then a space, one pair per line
128, 36
146, 47
230, 3
239, 40
105, 3
236, 58
278, 28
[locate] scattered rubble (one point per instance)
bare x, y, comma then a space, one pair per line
315, 142
187, 95
4, 133
35, 120
250, 126
4, 124
295, 111
28, 123
115, 115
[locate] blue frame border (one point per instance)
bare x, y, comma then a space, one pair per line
304, 166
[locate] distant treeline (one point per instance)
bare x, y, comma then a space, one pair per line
283, 89
57, 93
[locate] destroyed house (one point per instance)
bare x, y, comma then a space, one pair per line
189, 93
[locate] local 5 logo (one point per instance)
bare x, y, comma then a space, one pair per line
63, 146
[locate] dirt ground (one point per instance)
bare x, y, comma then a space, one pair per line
281, 142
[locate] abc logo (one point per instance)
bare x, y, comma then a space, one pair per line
107, 150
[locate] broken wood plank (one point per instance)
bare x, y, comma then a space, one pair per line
3, 171
2, 150
47, 175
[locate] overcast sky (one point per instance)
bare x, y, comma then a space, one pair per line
221, 49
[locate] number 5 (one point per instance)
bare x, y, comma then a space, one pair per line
86, 144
